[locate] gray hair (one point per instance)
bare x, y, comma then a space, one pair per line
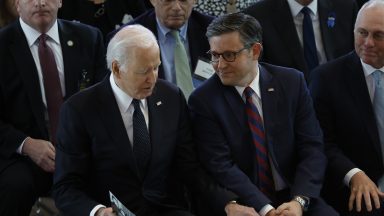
122, 46
248, 27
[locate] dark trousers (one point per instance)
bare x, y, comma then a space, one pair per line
21, 183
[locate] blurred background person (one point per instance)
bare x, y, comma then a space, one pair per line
305, 33
107, 15
220, 7
8, 12
181, 34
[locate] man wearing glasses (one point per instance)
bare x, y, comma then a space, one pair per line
172, 21
255, 127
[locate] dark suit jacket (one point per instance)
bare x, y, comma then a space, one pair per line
94, 154
84, 11
281, 45
345, 112
293, 134
197, 27
21, 106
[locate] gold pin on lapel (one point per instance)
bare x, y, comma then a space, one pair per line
158, 103
271, 89
70, 43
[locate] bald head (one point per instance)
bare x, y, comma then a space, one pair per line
369, 33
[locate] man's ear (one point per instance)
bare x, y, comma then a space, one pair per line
115, 69
153, 2
256, 50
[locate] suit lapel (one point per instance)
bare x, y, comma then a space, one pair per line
285, 27
236, 104
196, 36
269, 98
355, 79
70, 47
110, 114
28, 72
156, 125
325, 11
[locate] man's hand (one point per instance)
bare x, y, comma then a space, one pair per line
362, 187
105, 212
234, 209
41, 152
292, 208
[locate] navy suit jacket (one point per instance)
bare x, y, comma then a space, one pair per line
94, 153
346, 115
21, 106
293, 134
281, 44
197, 27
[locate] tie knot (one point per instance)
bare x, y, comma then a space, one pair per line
305, 11
248, 92
377, 76
176, 35
136, 104
43, 39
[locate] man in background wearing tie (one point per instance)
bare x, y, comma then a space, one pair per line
305, 33
255, 127
129, 134
349, 102
43, 61
180, 32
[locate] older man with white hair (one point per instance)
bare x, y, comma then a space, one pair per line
128, 134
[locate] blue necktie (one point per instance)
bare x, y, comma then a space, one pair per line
264, 172
310, 51
141, 140
378, 106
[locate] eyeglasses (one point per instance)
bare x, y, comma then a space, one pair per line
170, 2
228, 56
377, 36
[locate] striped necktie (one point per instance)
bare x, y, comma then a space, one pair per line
264, 172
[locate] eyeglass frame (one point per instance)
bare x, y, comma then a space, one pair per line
233, 53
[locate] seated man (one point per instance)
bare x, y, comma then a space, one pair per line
255, 126
347, 100
130, 135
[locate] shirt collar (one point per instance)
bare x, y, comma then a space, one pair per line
163, 30
32, 34
254, 85
123, 99
368, 69
296, 7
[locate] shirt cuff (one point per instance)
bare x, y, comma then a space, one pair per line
265, 210
94, 210
20, 149
349, 175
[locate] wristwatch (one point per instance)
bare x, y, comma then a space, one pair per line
303, 201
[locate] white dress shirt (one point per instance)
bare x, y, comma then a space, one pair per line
53, 41
368, 70
256, 99
298, 20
